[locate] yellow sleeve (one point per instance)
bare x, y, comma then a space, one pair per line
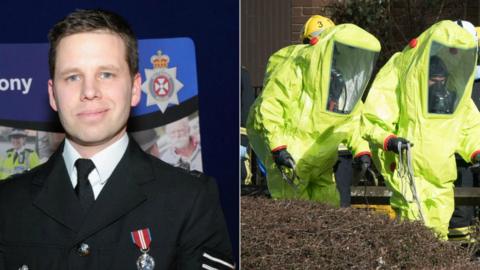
381, 112
469, 143
356, 144
272, 110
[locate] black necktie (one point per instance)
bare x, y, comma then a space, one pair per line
15, 156
84, 189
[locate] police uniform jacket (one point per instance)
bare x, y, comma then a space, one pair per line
18, 162
42, 224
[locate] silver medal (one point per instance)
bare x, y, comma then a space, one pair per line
145, 262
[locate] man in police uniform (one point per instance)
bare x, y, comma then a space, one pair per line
100, 202
19, 158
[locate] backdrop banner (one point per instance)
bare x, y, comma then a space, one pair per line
165, 123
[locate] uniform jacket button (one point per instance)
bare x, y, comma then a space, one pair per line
83, 249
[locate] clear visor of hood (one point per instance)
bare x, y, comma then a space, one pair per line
349, 74
449, 70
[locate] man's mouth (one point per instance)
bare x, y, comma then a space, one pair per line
92, 114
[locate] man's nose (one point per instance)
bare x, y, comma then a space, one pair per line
90, 89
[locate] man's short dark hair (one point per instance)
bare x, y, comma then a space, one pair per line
82, 21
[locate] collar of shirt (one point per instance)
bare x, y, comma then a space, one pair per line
20, 150
105, 162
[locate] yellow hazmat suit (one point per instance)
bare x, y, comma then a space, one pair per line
404, 101
310, 104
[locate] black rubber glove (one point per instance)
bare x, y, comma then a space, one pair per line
362, 162
392, 144
283, 158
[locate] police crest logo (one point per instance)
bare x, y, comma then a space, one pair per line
161, 85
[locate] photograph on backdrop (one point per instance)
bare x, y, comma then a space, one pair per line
177, 143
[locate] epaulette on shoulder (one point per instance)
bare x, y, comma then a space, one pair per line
29, 150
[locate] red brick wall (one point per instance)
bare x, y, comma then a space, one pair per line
268, 25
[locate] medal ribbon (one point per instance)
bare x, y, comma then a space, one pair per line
142, 238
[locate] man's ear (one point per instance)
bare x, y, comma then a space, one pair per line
136, 90
51, 96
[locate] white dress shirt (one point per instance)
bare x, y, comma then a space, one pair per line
105, 162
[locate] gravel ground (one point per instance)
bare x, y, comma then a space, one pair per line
281, 234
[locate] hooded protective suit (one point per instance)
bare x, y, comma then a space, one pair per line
438, 116
311, 104
278, 58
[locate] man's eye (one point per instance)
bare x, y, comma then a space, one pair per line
73, 78
106, 75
